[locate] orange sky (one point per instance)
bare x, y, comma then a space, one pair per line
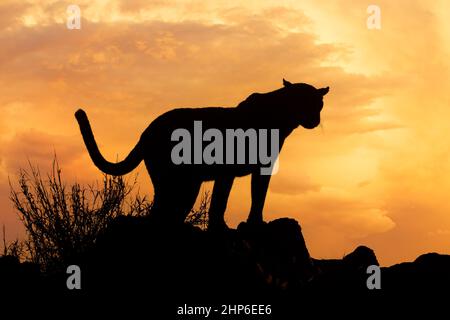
377, 173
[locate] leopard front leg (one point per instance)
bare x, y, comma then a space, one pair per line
219, 199
260, 184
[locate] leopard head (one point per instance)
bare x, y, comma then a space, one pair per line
303, 103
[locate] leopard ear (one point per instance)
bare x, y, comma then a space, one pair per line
286, 83
323, 91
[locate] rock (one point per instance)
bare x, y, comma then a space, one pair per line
347, 274
183, 260
428, 273
360, 259
279, 249
137, 258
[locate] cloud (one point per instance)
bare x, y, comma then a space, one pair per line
10, 12
136, 6
292, 185
137, 71
353, 216
39, 148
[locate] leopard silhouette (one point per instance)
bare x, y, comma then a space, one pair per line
176, 186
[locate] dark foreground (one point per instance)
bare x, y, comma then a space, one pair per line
139, 265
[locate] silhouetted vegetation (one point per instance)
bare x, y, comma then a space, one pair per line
14, 248
199, 216
62, 221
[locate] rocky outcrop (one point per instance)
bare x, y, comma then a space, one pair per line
136, 257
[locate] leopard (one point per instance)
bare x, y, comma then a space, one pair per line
176, 186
